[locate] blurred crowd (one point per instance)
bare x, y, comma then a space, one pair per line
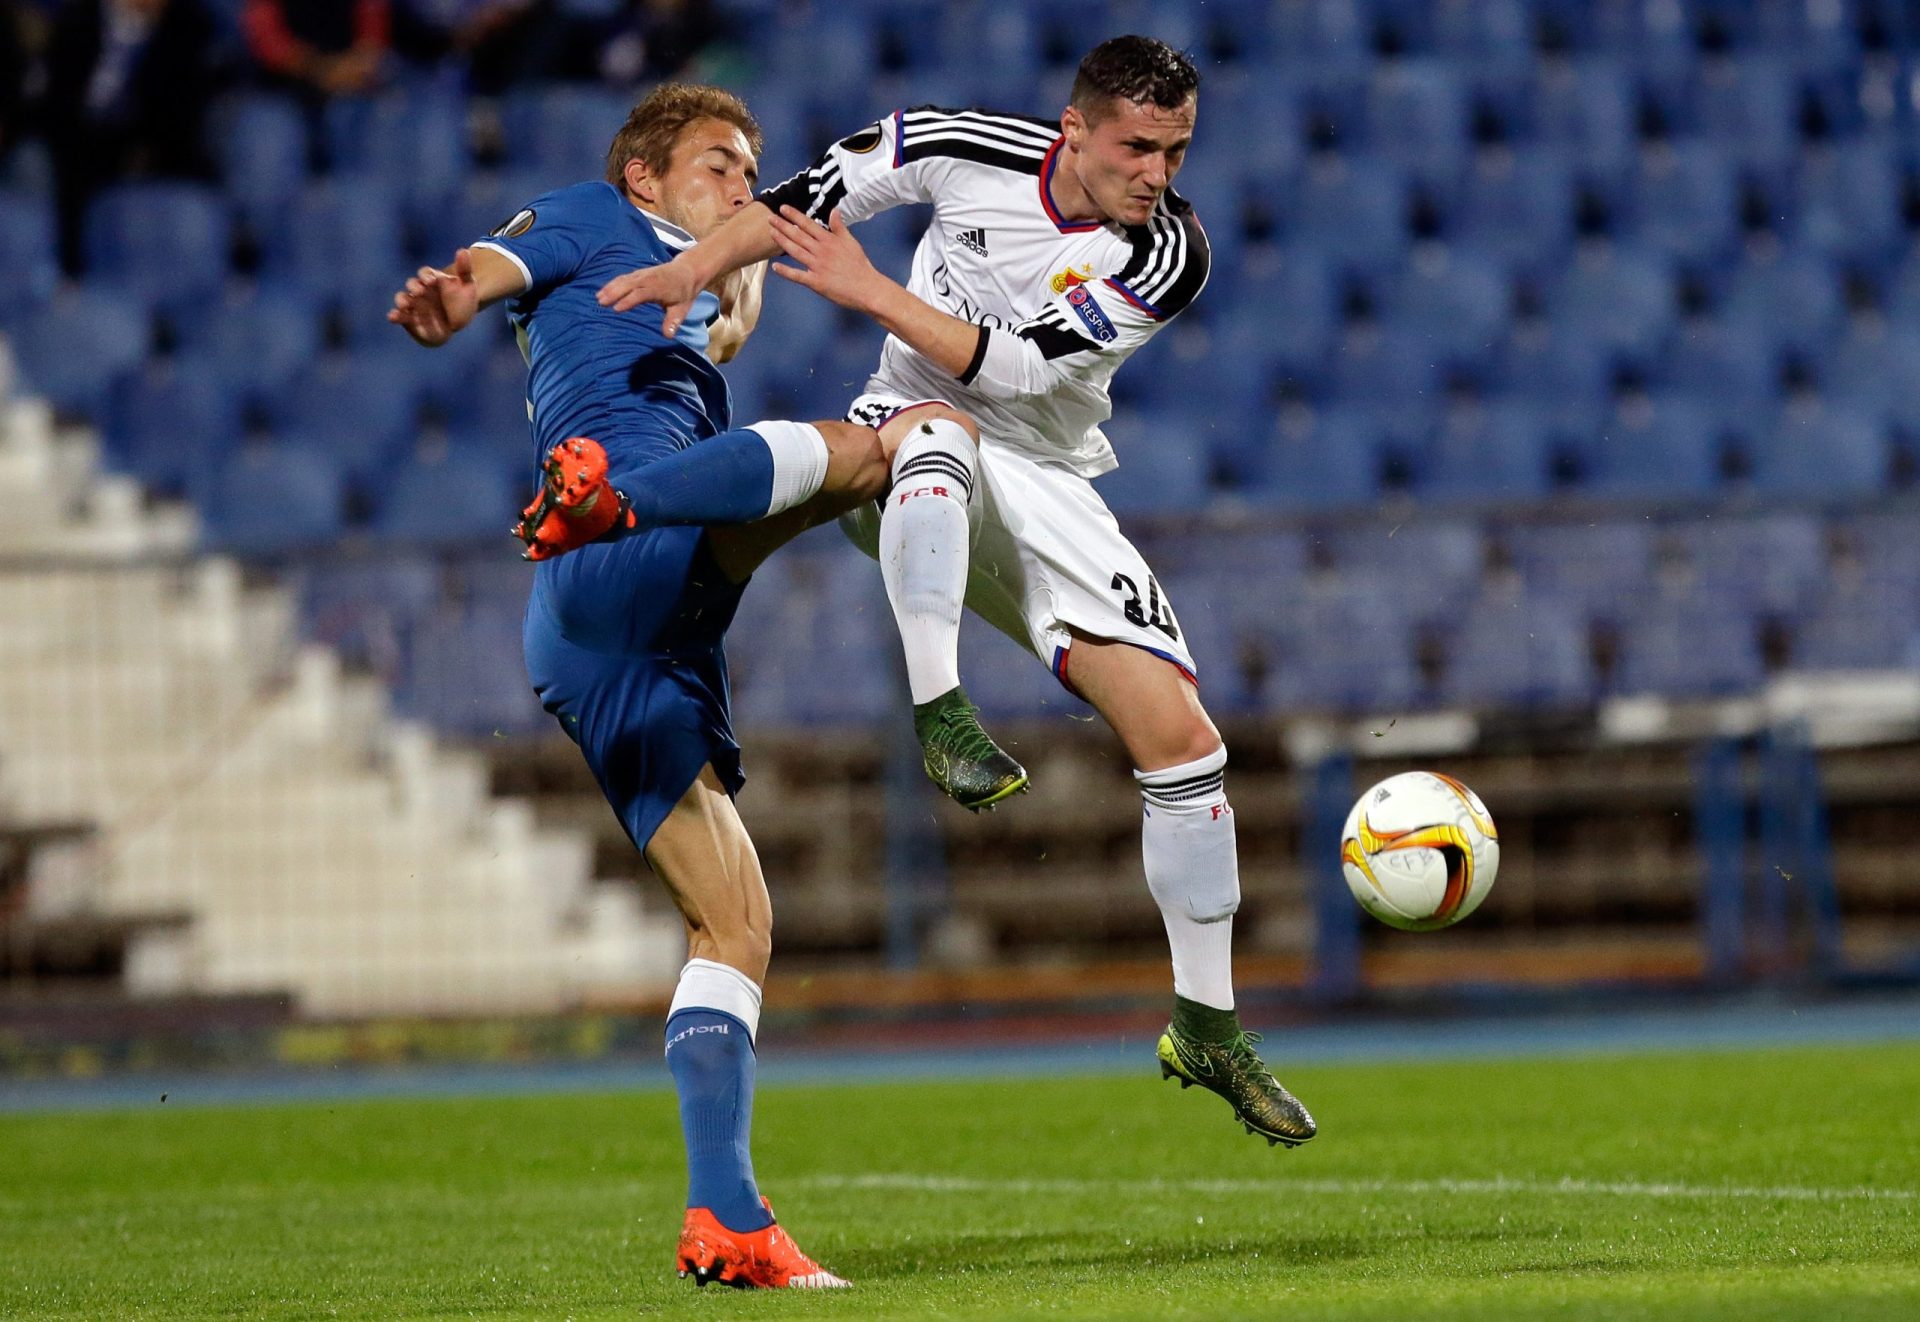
122, 89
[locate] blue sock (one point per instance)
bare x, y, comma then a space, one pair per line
711, 1058
724, 479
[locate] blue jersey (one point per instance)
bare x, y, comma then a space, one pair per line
595, 372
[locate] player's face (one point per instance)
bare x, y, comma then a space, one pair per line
711, 176
1127, 158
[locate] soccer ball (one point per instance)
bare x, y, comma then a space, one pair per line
1419, 851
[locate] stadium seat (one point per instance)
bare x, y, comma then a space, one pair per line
1685, 201
75, 347
1454, 298
365, 608
359, 410
1353, 209
1509, 649
1747, 107
1286, 305
1795, 299
464, 672
261, 144
1481, 453
1417, 117
1516, 206
1858, 628
483, 201
1849, 201
1565, 374
1821, 450
1321, 459
1585, 107
1163, 463
1483, 37
270, 500
414, 140
1597, 569
27, 253
563, 131
1886, 551
1875, 369
171, 424
1664, 446
340, 234
445, 499
1331, 644
1438, 560
258, 337
1620, 300
1005, 679
164, 244
1688, 646
1773, 562
1394, 366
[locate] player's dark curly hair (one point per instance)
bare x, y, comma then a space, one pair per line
655, 125
1133, 68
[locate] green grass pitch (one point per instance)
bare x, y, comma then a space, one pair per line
1748, 1185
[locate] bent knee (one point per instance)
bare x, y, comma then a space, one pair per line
896, 428
859, 463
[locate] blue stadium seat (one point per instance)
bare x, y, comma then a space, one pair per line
27, 253
1509, 649
271, 500
1286, 304
1484, 36
1886, 549
445, 500
360, 410
1321, 459
484, 201
1005, 679
1585, 107
1747, 107
165, 244
491, 396
414, 140
464, 671
75, 347
1248, 96
1454, 298
1821, 450
1684, 201
1688, 646
1437, 560
1417, 117
1332, 644
1487, 452
563, 130
1598, 569
1517, 206
814, 640
1663, 446
1564, 373
258, 337
1875, 369
340, 234
1354, 210
1858, 628
1815, 39
171, 423
1394, 366
1733, 369
365, 609
261, 143
1163, 462
1774, 562
1621, 300
1795, 299
1849, 201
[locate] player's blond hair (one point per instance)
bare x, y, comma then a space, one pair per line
653, 127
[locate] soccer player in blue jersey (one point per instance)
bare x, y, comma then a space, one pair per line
624, 631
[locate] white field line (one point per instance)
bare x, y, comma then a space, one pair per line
960, 1184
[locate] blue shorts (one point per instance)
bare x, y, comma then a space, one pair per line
624, 644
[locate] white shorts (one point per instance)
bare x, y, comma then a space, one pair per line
1048, 556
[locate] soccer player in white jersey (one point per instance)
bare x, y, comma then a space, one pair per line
1056, 250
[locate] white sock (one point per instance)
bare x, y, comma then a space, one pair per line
799, 462
1187, 845
924, 541
707, 984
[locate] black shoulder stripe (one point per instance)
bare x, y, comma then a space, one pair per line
1170, 258
1023, 126
1001, 155
1052, 340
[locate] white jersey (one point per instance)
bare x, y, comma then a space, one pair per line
1060, 304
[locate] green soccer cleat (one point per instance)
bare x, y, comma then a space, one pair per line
1237, 1073
960, 757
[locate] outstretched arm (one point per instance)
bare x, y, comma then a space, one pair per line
831, 262
437, 304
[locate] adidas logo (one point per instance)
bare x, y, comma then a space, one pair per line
974, 239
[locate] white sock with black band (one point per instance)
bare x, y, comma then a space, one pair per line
1193, 871
925, 537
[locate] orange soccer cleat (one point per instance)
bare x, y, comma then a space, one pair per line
765, 1259
576, 503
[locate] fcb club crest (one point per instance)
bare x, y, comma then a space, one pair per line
1067, 279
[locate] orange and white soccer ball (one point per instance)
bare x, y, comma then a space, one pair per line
1419, 851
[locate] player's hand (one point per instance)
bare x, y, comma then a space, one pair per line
436, 304
673, 285
830, 260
